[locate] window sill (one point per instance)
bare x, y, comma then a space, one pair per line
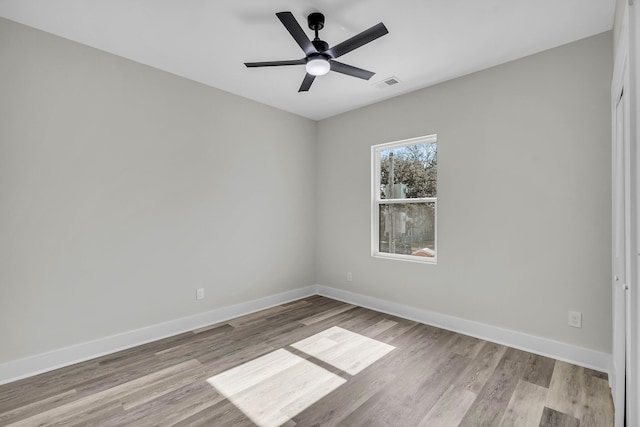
409, 258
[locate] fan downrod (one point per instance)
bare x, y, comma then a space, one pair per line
316, 23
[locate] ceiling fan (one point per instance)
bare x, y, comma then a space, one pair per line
320, 59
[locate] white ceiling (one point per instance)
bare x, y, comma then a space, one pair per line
429, 41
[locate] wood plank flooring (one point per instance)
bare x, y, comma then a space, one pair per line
313, 362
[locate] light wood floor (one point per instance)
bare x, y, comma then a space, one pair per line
314, 362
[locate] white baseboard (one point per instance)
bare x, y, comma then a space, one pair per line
33, 365
533, 344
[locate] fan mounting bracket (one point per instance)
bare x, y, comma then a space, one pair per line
316, 21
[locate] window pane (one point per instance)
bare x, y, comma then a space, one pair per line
412, 169
408, 228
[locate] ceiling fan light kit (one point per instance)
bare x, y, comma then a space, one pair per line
319, 58
318, 66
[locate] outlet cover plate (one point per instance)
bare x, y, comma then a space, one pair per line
575, 319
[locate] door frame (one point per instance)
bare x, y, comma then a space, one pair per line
626, 77
622, 309
620, 231
632, 21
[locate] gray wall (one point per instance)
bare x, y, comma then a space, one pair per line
124, 188
524, 195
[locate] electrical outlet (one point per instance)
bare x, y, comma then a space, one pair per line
575, 319
349, 276
200, 293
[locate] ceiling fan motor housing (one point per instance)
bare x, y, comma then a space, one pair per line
320, 45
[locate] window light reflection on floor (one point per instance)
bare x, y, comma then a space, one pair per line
346, 350
274, 388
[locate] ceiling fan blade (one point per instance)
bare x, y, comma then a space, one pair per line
350, 70
358, 40
290, 23
276, 63
306, 83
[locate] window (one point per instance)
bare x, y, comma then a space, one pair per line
404, 199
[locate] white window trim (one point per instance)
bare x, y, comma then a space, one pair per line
376, 201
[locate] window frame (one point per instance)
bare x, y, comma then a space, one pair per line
377, 201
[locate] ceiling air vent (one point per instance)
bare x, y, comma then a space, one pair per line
390, 81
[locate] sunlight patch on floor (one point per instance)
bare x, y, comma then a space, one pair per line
274, 388
346, 350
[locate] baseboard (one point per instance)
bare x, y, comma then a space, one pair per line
538, 345
33, 365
